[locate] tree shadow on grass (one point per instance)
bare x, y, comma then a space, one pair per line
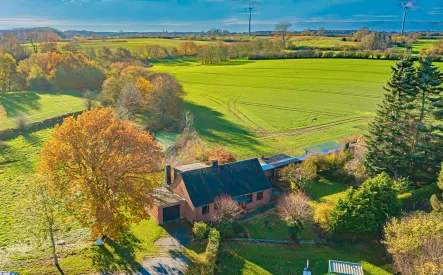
179, 61
235, 62
211, 125
116, 255
16, 103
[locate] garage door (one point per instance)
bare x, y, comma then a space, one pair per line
171, 213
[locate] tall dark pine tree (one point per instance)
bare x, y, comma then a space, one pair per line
389, 138
427, 146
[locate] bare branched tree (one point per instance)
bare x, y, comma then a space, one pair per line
130, 102
226, 209
282, 30
294, 209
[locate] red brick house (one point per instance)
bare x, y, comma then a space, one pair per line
192, 192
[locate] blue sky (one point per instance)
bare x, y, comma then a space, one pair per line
197, 15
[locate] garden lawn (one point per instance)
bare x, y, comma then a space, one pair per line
241, 258
38, 106
269, 226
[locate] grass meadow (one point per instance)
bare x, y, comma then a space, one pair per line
321, 42
281, 106
131, 43
38, 106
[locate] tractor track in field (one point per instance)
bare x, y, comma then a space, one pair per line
259, 129
289, 108
231, 107
321, 127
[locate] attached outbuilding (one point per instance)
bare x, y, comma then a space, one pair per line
167, 206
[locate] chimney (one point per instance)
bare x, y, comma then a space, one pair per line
214, 163
168, 178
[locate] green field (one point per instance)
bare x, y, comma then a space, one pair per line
38, 106
417, 46
322, 42
131, 43
280, 106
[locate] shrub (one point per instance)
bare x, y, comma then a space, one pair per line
321, 216
212, 250
22, 123
333, 162
226, 229
328, 54
222, 155
366, 209
200, 230
415, 243
418, 198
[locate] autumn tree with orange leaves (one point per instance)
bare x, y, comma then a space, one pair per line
222, 155
103, 169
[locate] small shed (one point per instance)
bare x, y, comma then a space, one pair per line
324, 148
344, 268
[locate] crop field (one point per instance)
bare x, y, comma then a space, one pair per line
132, 43
280, 106
417, 46
38, 106
321, 42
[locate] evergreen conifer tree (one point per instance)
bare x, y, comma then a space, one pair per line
389, 137
427, 146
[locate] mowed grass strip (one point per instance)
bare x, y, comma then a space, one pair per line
38, 106
243, 258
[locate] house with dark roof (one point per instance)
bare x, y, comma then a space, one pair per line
192, 191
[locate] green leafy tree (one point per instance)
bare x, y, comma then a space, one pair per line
388, 141
367, 208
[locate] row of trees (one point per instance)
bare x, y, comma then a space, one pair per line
223, 52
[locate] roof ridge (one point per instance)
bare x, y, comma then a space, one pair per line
220, 165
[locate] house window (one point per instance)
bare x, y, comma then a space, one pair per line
205, 209
259, 196
250, 197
